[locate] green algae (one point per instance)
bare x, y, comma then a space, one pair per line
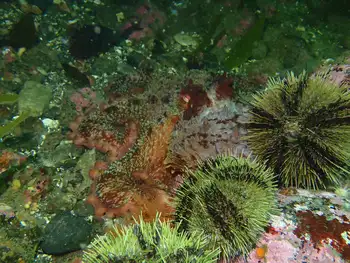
32, 101
244, 47
6, 129
8, 98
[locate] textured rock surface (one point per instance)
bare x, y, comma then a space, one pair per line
65, 233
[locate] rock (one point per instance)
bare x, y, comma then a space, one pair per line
34, 98
76, 75
186, 40
92, 40
66, 233
24, 34
57, 156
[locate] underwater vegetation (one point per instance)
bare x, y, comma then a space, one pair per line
8, 99
300, 126
150, 242
220, 197
32, 100
113, 109
244, 47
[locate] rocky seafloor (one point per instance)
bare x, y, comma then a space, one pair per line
46, 161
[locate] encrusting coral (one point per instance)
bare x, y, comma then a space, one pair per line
231, 199
155, 242
300, 126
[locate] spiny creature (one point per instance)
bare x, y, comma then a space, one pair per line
155, 242
300, 127
231, 199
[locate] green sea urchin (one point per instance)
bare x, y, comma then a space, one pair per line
231, 199
300, 127
156, 242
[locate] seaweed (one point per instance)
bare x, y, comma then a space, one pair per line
243, 48
32, 100
8, 98
7, 128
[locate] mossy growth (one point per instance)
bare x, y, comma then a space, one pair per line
231, 199
156, 242
300, 127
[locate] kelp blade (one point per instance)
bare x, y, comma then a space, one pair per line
8, 98
7, 128
243, 48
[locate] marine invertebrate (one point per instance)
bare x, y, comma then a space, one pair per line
116, 129
141, 184
343, 190
300, 126
283, 245
231, 199
322, 230
197, 99
224, 88
217, 129
340, 74
153, 242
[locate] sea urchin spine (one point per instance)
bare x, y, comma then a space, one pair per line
231, 199
300, 127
